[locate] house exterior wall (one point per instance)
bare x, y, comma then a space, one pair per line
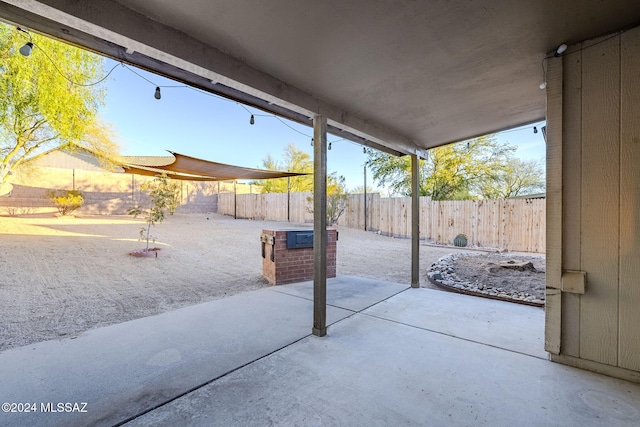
596, 179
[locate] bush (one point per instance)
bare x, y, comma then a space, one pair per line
66, 201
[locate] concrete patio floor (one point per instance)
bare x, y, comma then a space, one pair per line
393, 355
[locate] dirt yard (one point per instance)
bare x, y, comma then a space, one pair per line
62, 276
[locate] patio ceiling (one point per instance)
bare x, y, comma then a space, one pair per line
399, 75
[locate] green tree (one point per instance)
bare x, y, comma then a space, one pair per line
519, 177
162, 195
451, 172
294, 160
39, 108
336, 198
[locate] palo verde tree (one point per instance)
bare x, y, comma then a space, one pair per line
47, 99
293, 160
451, 172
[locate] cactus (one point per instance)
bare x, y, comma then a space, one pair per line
460, 240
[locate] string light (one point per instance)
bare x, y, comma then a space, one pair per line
560, 50
535, 129
26, 49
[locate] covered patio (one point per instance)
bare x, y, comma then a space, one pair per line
401, 77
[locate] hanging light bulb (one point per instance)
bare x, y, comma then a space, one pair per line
157, 95
312, 142
252, 120
26, 49
329, 146
364, 150
535, 129
560, 50
543, 85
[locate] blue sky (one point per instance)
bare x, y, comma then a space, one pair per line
197, 124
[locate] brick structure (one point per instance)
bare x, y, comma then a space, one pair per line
293, 265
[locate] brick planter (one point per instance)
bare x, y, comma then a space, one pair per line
281, 265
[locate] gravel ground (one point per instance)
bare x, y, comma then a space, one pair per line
510, 277
62, 276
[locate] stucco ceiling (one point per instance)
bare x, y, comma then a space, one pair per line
408, 75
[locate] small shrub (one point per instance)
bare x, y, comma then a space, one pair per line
66, 201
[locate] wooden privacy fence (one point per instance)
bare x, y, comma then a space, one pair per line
513, 224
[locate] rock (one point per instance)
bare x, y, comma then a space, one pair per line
518, 265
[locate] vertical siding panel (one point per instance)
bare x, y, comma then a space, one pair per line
600, 201
629, 316
554, 207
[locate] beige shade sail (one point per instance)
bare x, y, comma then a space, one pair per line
194, 169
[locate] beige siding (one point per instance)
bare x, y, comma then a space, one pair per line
553, 303
601, 200
629, 315
572, 192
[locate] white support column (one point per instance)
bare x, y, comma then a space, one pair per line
320, 226
415, 221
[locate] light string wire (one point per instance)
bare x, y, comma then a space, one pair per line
132, 70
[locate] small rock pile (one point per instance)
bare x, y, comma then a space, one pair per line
443, 274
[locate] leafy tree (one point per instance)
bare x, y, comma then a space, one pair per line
336, 198
39, 108
162, 194
294, 160
518, 178
451, 172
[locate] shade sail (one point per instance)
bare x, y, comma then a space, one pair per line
193, 169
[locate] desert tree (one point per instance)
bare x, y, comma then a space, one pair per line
48, 99
450, 172
293, 160
519, 177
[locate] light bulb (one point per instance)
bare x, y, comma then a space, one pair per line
364, 150
252, 121
157, 95
329, 146
560, 50
26, 49
312, 142
535, 129
543, 85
